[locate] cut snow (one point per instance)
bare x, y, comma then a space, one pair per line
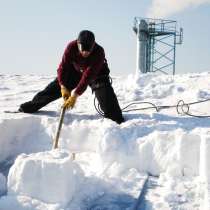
47, 186
112, 161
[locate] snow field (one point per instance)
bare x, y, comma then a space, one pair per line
112, 161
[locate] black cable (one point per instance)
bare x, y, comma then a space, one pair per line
98, 108
185, 108
181, 107
136, 103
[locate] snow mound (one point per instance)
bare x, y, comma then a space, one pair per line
49, 187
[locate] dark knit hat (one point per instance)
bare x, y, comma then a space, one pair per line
86, 39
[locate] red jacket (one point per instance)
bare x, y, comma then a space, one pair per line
90, 68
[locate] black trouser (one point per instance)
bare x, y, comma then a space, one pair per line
107, 99
103, 92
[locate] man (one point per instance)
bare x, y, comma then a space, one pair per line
83, 64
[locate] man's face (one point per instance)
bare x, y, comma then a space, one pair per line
84, 53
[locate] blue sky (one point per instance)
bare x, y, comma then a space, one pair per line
34, 34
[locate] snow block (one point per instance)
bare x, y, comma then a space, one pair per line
205, 159
207, 197
204, 168
47, 176
189, 154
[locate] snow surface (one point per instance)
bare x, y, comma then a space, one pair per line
167, 151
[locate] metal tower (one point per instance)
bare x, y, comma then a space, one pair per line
156, 44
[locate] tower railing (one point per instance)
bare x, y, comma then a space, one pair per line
156, 51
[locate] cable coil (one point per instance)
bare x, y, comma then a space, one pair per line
181, 107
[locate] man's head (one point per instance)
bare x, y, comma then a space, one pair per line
85, 42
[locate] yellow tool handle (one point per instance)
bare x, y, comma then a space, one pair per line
55, 143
